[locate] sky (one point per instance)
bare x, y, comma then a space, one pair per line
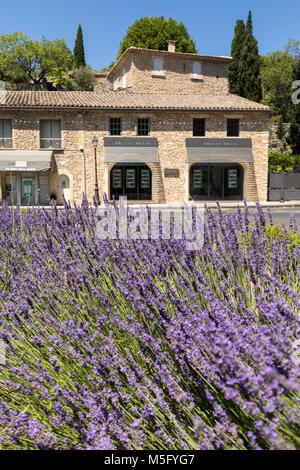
104, 23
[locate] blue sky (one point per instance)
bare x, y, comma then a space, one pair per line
210, 24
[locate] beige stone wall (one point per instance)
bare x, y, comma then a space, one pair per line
170, 128
177, 76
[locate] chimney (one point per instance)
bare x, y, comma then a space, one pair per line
171, 46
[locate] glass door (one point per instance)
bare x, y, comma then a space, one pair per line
131, 190
27, 190
116, 182
133, 181
199, 177
233, 183
11, 188
216, 182
144, 184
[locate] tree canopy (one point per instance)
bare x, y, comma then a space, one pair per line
155, 32
20, 55
294, 136
276, 77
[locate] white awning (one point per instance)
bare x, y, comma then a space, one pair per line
25, 160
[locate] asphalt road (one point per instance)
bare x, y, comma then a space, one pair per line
280, 215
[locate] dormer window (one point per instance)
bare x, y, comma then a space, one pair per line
196, 70
158, 68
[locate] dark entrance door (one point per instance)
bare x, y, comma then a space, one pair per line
216, 182
133, 181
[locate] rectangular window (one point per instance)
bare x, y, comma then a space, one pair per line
145, 179
117, 178
198, 127
50, 131
233, 127
130, 178
232, 182
197, 179
5, 133
115, 126
143, 126
196, 69
158, 66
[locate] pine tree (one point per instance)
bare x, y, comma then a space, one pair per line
249, 68
294, 134
237, 42
79, 58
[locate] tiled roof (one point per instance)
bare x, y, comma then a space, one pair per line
140, 50
125, 100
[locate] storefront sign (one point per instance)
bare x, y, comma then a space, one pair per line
172, 172
219, 143
130, 142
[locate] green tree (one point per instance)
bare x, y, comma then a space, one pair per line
234, 68
20, 55
249, 69
281, 133
79, 57
84, 79
155, 32
294, 134
276, 74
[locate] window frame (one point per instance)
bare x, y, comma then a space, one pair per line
2, 133
110, 127
204, 127
137, 126
51, 139
233, 131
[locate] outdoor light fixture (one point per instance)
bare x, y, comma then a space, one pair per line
95, 145
95, 142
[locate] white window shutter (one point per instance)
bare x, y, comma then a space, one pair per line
116, 83
124, 77
196, 69
158, 66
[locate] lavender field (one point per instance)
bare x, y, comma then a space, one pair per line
142, 344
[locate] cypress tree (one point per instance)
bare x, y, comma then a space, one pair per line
249, 69
294, 133
79, 57
236, 45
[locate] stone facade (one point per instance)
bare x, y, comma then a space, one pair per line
170, 100
171, 130
177, 76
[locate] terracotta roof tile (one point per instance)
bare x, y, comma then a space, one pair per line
126, 100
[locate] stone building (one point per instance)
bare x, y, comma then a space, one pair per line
167, 128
